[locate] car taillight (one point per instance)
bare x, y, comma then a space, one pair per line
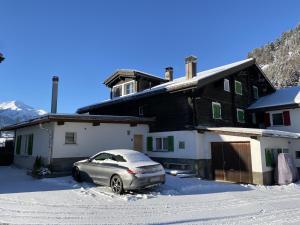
131, 171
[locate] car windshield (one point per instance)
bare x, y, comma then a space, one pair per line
136, 157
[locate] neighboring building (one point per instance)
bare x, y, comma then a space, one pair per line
200, 119
63, 139
281, 111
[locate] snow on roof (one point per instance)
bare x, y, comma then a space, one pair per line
280, 97
79, 118
176, 84
251, 131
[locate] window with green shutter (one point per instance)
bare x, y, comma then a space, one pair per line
240, 113
149, 144
30, 144
170, 144
238, 88
18, 145
269, 157
216, 110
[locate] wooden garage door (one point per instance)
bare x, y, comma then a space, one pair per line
231, 161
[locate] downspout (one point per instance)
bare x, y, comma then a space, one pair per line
50, 144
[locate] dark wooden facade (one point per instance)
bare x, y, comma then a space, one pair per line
186, 109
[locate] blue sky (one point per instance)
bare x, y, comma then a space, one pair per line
83, 42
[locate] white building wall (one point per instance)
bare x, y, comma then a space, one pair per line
192, 145
92, 139
40, 144
272, 143
295, 120
293, 147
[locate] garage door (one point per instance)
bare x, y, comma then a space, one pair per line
231, 161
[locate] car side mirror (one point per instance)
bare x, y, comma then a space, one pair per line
90, 159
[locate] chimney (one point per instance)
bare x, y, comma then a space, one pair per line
190, 67
169, 73
54, 94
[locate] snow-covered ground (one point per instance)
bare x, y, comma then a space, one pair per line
24, 200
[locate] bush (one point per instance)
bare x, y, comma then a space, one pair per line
37, 165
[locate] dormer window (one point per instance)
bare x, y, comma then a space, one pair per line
123, 89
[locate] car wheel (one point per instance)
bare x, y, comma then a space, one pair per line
116, 184
76, 174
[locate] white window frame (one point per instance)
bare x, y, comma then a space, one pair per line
238, 82
237, 115
123, 85
75, 138
184, 145
212, 105
255, 92
164, 143
226, 85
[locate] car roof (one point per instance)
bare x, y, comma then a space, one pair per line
121, 151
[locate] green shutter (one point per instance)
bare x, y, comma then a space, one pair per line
18, 146
30, 144
149, 144
241, 116
238, 88
216, 108
170, 144
269, 157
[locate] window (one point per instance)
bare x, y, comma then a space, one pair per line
117, 91
226, 85
181, 145
102, 157
216, 110
118, 158
128, 88
255, 92
162, 144
277, 119
238, 88
240, 113
297, 154
70, 138
123, 89
18, 145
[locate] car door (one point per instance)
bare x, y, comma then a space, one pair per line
102, 168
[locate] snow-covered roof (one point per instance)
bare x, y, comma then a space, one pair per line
241, 131
281, 97
79, 118
202, 78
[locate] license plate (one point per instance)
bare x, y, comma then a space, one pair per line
154, 179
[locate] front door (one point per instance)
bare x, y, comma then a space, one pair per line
138, 142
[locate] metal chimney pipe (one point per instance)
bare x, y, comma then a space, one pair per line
54, 94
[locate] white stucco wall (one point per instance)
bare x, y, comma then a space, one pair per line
295, 121
272, 143
293, 147
40, 145
198, 146
92, 139
192, 145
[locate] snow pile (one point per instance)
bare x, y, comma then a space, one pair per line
15, 111
24, 200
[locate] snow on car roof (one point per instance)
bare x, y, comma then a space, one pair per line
280, 97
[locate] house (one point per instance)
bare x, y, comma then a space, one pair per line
281, 111
202, 120
62, 139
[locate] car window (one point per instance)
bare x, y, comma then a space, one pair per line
102, 157
118, 158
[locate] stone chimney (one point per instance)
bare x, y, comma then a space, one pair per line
54, 94
169, 73
190, 67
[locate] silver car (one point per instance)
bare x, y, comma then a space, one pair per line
120, 169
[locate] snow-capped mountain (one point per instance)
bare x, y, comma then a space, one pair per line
15, 111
